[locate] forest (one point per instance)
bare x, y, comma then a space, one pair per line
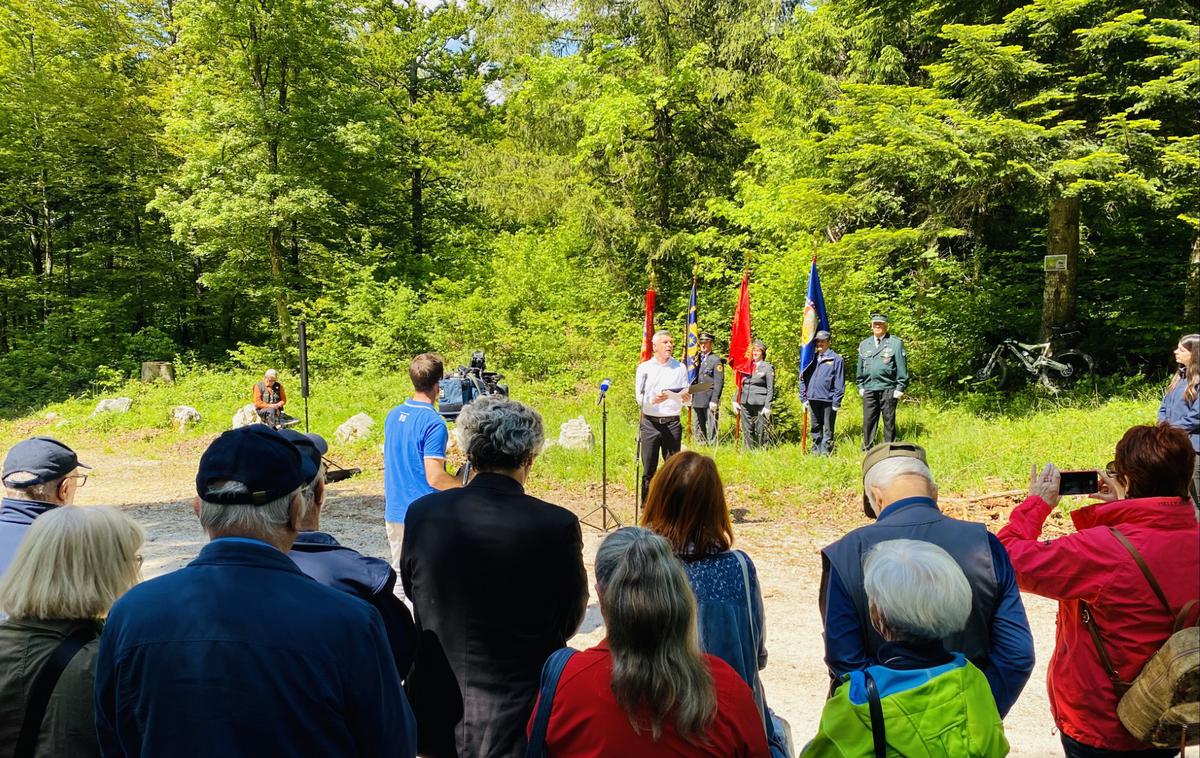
187, 180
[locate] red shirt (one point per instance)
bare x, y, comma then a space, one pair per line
587, 722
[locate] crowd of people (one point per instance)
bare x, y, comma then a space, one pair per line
278, 640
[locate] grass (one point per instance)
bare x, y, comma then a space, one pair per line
977, 443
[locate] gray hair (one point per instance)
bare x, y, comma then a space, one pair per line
918, 590
500, 434
650, 612
309, 491
46, 492
264, 521
883, 473
270, 372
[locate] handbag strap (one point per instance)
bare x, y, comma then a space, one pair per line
551, 672
878, 730
1085, 615
43, 688
1141, 562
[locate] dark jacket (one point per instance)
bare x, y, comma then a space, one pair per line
1177, 411
759, 387
825, 378
15, 518
712, 369
322, 557
240, 653
68, 728
497, 583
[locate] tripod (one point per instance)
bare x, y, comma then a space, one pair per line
603, 509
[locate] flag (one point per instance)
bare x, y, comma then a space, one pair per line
739, 340
692, 350
815, 320
648, 327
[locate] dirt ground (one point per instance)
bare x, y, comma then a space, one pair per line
786, 554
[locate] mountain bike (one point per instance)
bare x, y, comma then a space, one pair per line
1054, 371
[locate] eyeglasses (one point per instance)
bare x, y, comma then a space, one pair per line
1111, 469
81, 477
137, 558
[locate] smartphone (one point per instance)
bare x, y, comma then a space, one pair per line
1079, 482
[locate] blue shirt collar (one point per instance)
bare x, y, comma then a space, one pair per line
418, 403
900, 505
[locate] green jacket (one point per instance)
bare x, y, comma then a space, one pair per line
69, 728
942, 712
883, 366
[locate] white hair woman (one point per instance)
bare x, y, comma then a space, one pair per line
647, 690
72, 564
920, 699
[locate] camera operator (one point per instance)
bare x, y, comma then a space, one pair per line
1100, 588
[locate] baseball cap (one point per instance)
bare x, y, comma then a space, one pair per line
821, 335
38, 460
881, 453
312, 448
259, 458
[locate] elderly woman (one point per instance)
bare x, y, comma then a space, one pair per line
647, 690
71, 566
687, 507
920, 699
497, 584
1144, 494
1181, 404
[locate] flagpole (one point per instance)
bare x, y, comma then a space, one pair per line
687, 317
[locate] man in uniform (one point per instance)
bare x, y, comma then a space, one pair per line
705, 404
822, 387
882, 377
662, 389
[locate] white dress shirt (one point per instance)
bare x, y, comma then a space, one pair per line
654, 377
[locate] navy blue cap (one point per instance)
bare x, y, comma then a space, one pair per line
705, 336
821, 335
38, 460
312, 448
259, 458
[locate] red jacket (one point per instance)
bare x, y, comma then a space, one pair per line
1091, 565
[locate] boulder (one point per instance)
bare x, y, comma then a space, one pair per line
576, 435
244, 417
113, 405
357, 427
182, 415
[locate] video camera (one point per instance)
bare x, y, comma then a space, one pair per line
457, 390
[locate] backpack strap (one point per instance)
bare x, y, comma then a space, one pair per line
43, 688
1141, 562
551, 672
1085, 615
878, 730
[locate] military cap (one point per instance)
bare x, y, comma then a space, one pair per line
705, 337
879, 318
881, 453
821, 335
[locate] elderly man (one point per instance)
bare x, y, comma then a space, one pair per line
822, 387
331, 563
900, 494
882, 377
661, 385
706, 404
497, 584
39, 474
239, 652
269, 399
921, 699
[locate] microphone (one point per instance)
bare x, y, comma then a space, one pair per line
604, 385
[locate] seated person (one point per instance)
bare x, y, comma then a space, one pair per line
269, 399
921, 699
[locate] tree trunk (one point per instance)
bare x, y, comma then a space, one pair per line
417, 179
1191, 305
1058, 303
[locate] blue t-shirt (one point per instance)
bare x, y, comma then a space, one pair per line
412, 432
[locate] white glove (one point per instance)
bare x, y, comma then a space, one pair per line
861, 392
835, 409
766, 413
712, 407
737, 407
807, 407
897, 394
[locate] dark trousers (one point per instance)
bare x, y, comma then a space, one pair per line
657, 436
269, 416
824, 417
1074, 749
754, 426
876, 403
704, 425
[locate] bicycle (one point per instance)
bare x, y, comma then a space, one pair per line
1054, 372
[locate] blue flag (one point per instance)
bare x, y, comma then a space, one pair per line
815, 319
692, 349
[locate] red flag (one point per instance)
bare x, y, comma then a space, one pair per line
740, 359
648, 328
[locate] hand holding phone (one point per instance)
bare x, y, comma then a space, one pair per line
1079, 482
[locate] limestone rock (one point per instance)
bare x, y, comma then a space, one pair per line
576, 435
182, 415
113, 405
244, 417
356, 427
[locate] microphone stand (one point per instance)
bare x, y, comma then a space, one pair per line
603, 508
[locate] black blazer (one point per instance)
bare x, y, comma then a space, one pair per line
497, 583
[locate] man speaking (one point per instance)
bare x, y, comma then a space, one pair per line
662, 389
